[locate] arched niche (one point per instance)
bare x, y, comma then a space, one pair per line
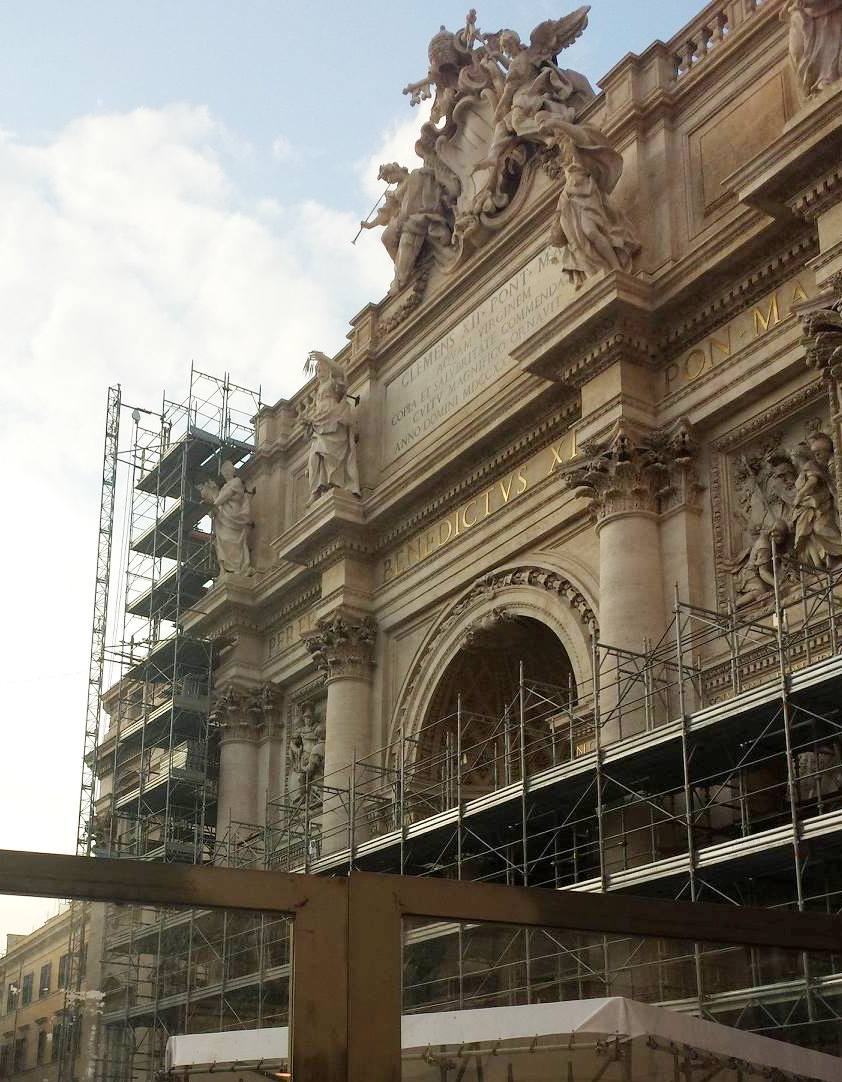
533, 609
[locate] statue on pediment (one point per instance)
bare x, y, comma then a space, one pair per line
815, 42
416, 213
230, 512
502, 110
332, 462
592, 233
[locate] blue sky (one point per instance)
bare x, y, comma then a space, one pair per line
179, 180
325, 78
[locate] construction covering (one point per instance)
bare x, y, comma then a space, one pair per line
585, 1040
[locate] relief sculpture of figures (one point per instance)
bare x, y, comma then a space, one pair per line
333, 437
230, 510
306, 751
785, 496
815, 42
817, 536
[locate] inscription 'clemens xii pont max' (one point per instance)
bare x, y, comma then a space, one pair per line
472, 355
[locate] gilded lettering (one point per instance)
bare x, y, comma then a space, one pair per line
798, 293
442, 524
487, 495
557, 459
771, 319
506, 488
670, 373
522, 483
701, 360
466, 522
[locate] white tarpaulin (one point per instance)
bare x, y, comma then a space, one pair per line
579, 1041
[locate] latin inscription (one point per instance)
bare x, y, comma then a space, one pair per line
472, 355
288, 635
743, 329
476, 510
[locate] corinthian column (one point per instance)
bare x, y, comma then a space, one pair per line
249, 730
342, 646
630, 480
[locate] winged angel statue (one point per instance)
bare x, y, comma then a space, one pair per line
501, 110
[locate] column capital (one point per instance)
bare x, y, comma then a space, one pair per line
247, 713
636, 471
342, 645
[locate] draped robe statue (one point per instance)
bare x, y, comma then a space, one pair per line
815, 42
231, 514
333, 440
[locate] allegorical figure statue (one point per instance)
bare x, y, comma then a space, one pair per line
333, 437
230, 510
817, 536
592, 232
306, 750
417, 210
815, 42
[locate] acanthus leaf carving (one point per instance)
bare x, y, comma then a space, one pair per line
342, 645
650, 472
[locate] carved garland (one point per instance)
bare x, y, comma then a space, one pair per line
485, 589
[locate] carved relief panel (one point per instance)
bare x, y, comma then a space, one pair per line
773, 480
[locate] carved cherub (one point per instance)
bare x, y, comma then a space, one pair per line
753, 569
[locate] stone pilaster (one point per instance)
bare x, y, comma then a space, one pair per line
342, 646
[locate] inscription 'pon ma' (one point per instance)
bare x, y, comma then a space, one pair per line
743, 329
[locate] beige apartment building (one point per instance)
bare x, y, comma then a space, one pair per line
34, 1022
537, 580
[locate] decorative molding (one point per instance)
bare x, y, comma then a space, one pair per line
821, 194
485, 589
342, 646
543, 433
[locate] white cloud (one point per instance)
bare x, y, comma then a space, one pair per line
128, 251
397, 145
281, 149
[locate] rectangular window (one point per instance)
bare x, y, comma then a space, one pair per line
6, 1060
63, 970
45, 980
11, 997
42, 1047
26, 989
20, 1054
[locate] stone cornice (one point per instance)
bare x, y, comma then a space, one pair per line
334, 525
609, 319
822, 193
694, 320
809, 144
549, 428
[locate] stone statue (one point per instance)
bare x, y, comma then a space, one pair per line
307, 750
333, 436
817, 536
530, 84
815, 42
593, 234
417, 211
230, 510
753, 569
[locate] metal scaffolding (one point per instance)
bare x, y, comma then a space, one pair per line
157, 760
707, 767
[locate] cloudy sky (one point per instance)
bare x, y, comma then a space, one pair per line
178, 181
